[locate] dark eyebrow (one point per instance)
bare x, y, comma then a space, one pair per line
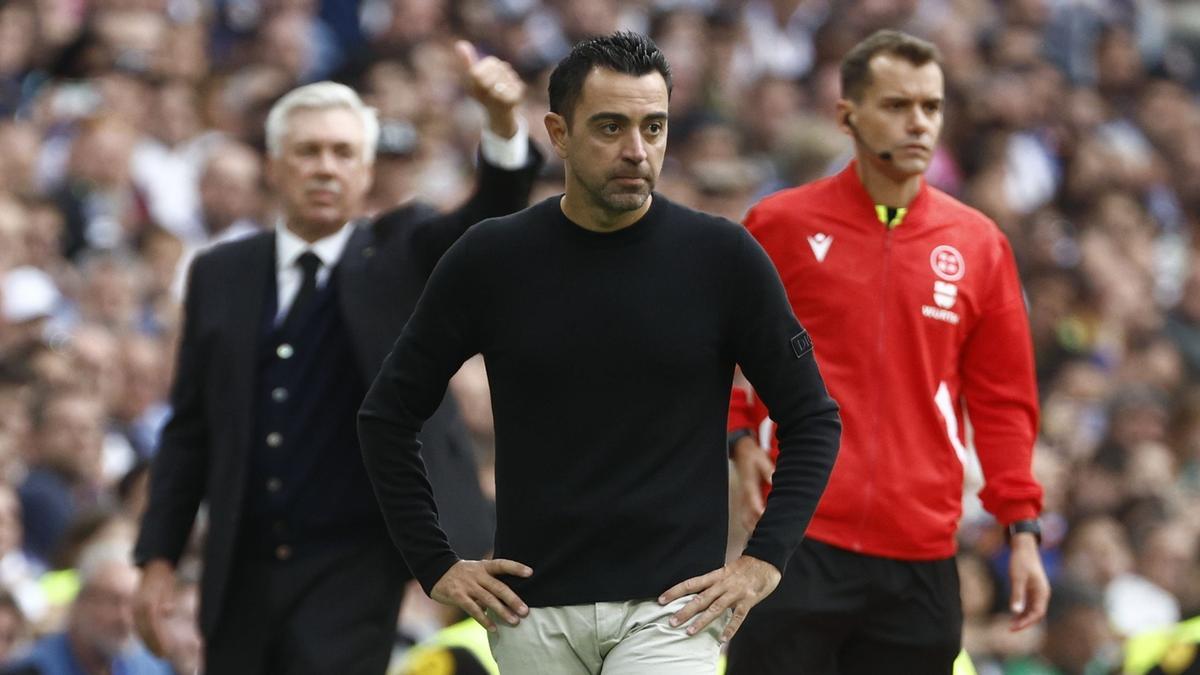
618, 117
909, 99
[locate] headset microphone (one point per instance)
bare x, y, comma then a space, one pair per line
885, 155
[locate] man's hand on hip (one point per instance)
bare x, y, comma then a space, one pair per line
473, 587
739, 586
1030, 589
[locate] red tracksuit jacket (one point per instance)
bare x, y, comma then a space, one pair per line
921, 334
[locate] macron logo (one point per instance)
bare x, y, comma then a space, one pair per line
820, 243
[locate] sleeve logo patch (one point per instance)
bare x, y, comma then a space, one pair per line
801, 344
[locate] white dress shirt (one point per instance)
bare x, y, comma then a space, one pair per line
289, 276
507, 153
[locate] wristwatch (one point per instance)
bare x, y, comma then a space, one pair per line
1030, 525
735, 436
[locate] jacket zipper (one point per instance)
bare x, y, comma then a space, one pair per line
877, 412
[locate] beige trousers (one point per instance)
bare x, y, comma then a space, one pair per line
606, 638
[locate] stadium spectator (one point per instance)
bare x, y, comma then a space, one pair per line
1077, 639
65, 474
14, 629
99, 637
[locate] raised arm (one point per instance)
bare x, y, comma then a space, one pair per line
509, 161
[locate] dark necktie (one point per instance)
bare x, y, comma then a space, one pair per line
309, 263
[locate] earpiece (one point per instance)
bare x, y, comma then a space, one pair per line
885, 155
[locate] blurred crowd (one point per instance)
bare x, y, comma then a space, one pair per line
132, 138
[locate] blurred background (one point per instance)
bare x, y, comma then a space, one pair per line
132, 138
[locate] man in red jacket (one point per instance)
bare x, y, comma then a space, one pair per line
915, 310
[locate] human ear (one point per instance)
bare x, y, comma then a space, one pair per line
556, 128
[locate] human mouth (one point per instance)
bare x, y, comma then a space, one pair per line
323, 194
629, 179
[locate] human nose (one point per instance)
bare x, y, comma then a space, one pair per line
326, 163
920, 122
634, 148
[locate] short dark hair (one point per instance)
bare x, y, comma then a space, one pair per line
1068, 595
856, 66
625, 52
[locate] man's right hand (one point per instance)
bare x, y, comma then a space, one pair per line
495, 84
153, 602
754, 468
473, 587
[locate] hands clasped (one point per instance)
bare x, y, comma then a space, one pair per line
473, 587
739, 586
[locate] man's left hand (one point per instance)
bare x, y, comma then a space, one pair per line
495, 85
1030, 589
739, 585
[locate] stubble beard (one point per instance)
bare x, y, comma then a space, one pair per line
615, 199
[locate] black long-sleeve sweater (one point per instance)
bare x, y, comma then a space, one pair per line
610, 358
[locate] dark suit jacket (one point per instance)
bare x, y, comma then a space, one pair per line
204, 451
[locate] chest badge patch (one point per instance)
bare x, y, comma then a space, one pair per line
820, 243
944, 294
947, 263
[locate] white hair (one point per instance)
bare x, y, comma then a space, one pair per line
99, 556
318, 96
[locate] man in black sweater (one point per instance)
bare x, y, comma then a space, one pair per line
610, 320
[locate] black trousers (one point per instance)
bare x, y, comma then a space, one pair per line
836, 612
331, 611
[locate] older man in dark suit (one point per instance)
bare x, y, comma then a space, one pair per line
283, 332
